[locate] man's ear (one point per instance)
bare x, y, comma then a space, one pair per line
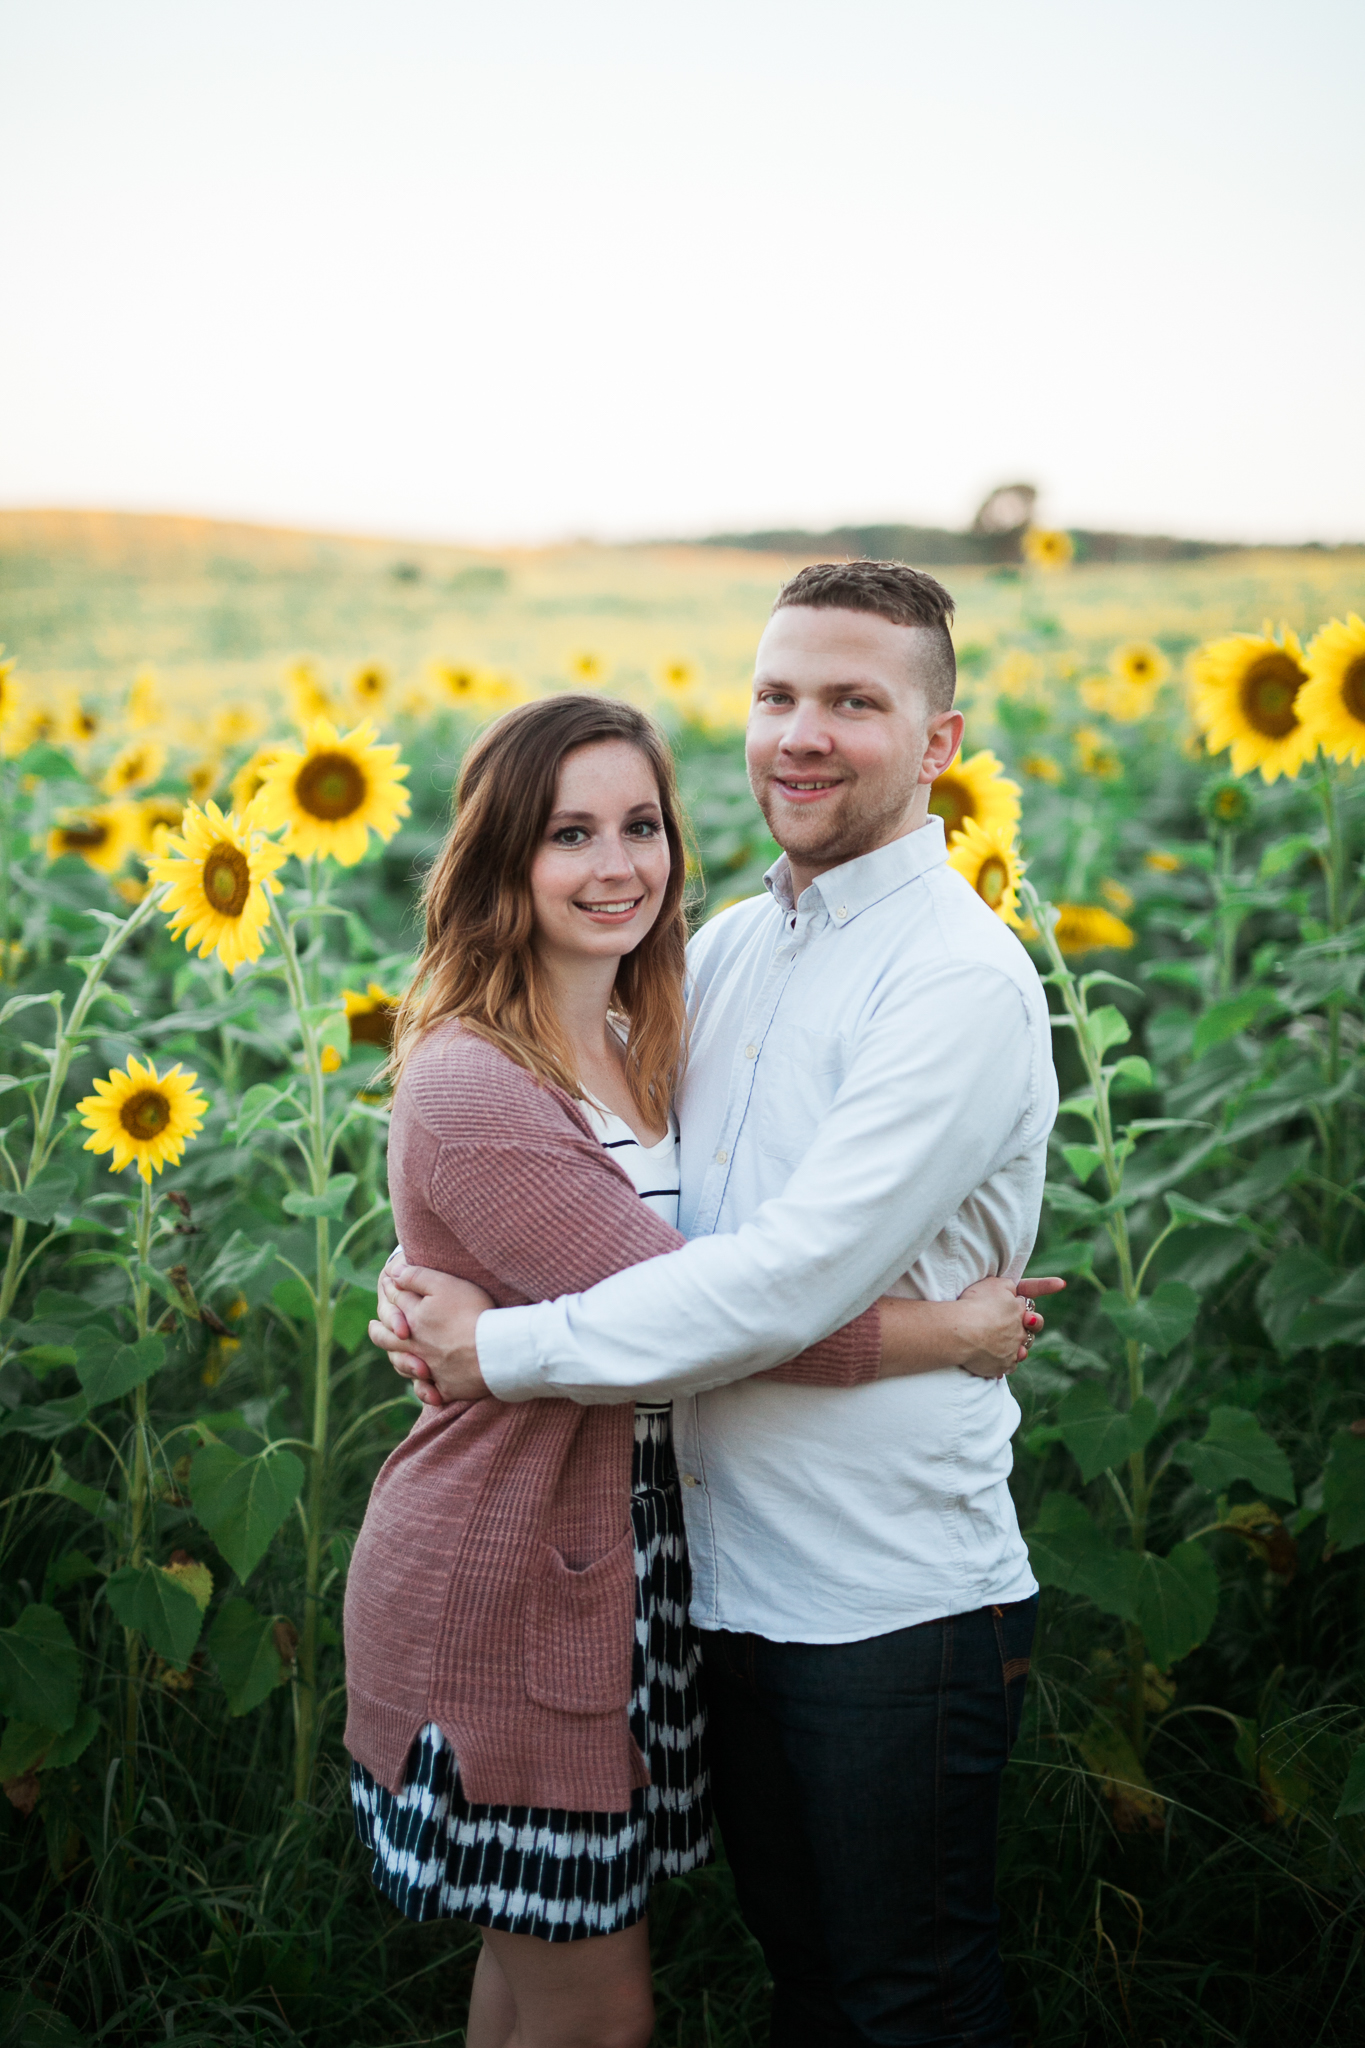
945, 737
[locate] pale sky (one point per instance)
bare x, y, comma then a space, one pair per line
522, 269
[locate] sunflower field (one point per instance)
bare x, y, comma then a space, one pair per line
208, 860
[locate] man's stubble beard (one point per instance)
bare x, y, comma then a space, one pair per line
857, 832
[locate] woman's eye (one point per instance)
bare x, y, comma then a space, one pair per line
646, 828
570, 835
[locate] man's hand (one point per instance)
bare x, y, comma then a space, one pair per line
426, 1321
999, 1323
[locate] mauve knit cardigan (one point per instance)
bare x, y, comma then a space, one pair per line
492, 1589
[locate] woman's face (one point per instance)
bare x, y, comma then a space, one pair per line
598, 880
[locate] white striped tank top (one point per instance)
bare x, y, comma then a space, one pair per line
653, 1169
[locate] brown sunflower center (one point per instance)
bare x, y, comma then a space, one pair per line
227, 878
145, 1115
1269, 688
1353, 688
952, 801
992, 880
84, 838
374, 1027
370, 683
330, 786
1139, 668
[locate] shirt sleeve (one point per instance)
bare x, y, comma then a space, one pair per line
564, 1216
921, 1120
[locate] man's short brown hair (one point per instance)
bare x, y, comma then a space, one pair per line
893, 591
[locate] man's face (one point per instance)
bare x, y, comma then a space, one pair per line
841, 745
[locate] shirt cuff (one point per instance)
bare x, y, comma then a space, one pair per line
508, 1355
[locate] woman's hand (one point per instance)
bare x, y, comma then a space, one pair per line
425, 1320
997, 1324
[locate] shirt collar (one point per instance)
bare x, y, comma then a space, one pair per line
844, 892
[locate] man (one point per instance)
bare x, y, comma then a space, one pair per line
866, 1109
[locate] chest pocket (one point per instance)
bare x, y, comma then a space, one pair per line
800, 1072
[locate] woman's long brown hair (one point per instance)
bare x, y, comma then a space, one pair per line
478, 962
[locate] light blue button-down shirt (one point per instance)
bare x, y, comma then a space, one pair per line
866, 1109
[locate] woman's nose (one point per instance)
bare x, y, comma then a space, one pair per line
614, 858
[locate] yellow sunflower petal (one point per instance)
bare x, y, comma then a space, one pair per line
977, 789
989, 861
331, 795
143, 1118
1331, 703
218, 869
1246, 699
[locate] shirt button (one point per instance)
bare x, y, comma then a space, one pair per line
689, 1478
841, 913
722, 1156
751, 1052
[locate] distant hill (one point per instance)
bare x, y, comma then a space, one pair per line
942, 547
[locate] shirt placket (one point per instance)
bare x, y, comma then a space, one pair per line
757, 1023
798, 928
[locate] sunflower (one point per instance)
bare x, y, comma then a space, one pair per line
1042, 768
133, 767
677, 675
144, 703
977, 789
1018, 672
1085, 927
988, 859
1116, 896
143, 1117
309, 697
332, 796
201, 779
1047, 548
219, 869
156, 816
236, 725
1163, 863
458, 683
1126, 699
1246, 692
103, 837
1140, 663
370, 686
78, 723
370, 1016
1096, 755
1332, 705
12, 702
249, 780
587, 667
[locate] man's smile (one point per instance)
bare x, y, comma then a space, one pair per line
805, 789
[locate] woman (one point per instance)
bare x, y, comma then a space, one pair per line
522, 1758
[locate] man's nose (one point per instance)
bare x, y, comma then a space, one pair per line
806, 732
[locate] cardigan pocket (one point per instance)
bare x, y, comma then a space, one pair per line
579, 1640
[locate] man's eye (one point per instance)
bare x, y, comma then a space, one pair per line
857, 703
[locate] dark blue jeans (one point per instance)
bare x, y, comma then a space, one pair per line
857, 1786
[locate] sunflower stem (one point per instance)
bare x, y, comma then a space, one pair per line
1139, 1494
6, 823
1335, 865
306, 1729
139, 1505
65, 1041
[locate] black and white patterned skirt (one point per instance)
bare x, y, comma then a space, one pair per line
544, 1870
